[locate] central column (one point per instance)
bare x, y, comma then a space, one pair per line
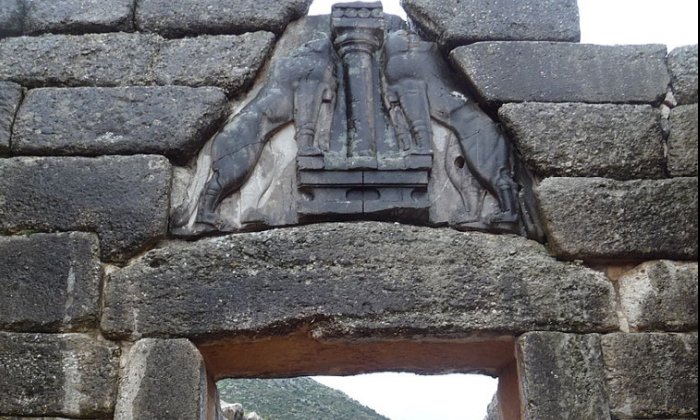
358, 33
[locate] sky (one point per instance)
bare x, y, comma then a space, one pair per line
465, 397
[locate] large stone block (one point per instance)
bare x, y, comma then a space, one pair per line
661, 295
683, 141
610, 141
11, 17
229, 62
458, 22
163, 379
562, 376
173, 121
121, 59
122, 198
603, 219
87, 60
50, 283
194, 17
562, 72
355, 280
683, 63
78, 16
652, 375
10, 97
71, 375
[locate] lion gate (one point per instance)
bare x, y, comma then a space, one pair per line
204, 189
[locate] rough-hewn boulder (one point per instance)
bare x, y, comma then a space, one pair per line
661, 295
71, 375
683, 141
563, 72
194, 17
11, 17
611, 141
597, 218
459, 22
173, 121
121, 59
163, 379
78, 16
652, 375
50, 283
229, 62
562, 376
683, 63
10, 96
122, 198
72, 60
355, 279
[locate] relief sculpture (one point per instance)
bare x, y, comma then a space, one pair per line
382, 131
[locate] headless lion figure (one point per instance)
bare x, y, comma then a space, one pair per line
295, 91
420, 87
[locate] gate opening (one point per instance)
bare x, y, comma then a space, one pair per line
301, 355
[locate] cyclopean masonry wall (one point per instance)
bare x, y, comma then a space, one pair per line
105, 313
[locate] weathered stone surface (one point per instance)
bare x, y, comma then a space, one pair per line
50, 283
661, 295
458, 22
71, 375
355, 279
563, 72
610, 141
11, 17
71, 60
10, 97
122, 198
562, 376
163, 379
121, 59
229, 62
597, 218
193, 17
683, 141
78, 16
652, 375
174, 121
683, 63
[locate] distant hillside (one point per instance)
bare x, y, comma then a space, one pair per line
294, 399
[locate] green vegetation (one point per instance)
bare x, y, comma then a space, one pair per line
293, 399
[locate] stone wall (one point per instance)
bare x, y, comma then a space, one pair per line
103, 315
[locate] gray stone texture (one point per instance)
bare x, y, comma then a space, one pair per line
70, 375
660, 295
72, 60
50, 283
562, 376
458, 22
230, 62
78, 16
121, 59
652, 375
173, 121
580, 140
355, 280
683, 141
163, 379
603, 219
11, 17
683, 63
122, 198
10, 97
194, 17
502, 72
